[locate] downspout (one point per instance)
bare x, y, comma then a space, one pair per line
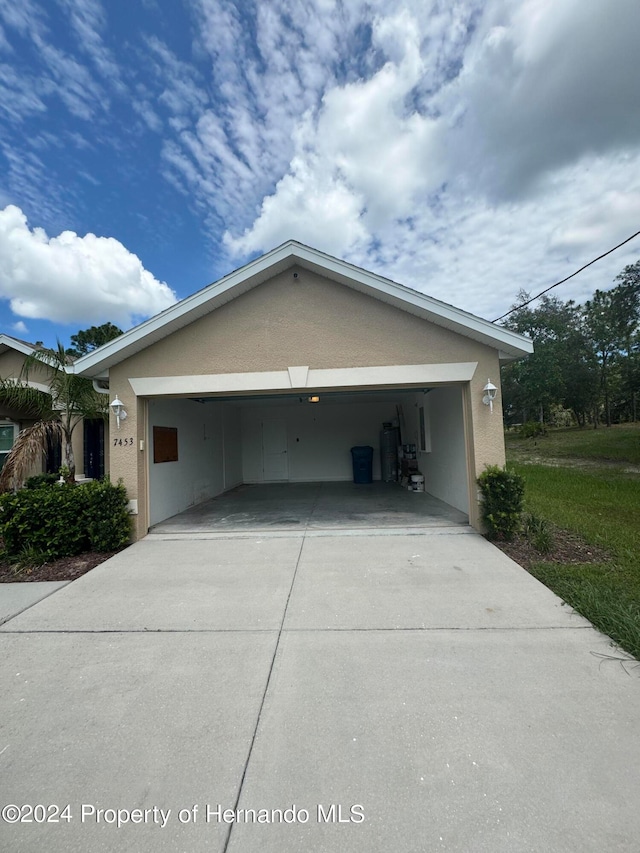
99, 388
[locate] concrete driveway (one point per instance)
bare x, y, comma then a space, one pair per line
384, 692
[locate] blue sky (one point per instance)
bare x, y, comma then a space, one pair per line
466, 149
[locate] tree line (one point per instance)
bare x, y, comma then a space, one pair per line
586, 361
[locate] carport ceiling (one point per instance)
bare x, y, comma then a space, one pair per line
344, 397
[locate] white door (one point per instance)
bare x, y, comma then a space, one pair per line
274, 450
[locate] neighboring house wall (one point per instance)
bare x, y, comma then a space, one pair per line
11, 366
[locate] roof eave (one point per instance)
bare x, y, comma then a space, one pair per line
15, 344
97, 363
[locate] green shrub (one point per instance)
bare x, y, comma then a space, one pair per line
108, 518
539, 533
41, 480
64, 521
45, 520
502, 493
28, 559
532, 429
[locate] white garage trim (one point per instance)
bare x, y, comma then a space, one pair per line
283, 380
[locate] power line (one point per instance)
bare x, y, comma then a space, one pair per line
542, 292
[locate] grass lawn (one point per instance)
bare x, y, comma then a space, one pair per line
601, 504
614, 444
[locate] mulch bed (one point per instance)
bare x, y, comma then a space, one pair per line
63, 569
567, 548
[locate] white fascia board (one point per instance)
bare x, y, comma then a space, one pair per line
505, 357
401, 375
19, 346
95, 363
454, 317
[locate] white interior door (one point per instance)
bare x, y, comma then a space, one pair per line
274, 450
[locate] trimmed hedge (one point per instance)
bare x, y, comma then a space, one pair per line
41, 480
502, 504
65, 520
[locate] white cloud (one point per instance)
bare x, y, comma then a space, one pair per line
88, 20
364, 145
182, 94
25, 17
147, 114
264, 76
76, 279
489, 148
543, 84
476, 254
20, 328
467, 149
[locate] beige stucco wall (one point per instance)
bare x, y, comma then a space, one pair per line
12, 363
309, 321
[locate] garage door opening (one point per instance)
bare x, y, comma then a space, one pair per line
308, 507
289, 440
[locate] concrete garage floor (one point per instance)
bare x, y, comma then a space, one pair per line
313, 506
425, 680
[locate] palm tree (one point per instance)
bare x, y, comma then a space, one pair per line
70, 400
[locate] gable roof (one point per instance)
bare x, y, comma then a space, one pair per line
97, 363
8, 342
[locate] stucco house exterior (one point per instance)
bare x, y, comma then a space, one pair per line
90, 444
219, 390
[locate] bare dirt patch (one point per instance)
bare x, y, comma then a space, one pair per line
63, 569
568, 548
533, 458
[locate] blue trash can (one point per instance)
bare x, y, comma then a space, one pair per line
362, 458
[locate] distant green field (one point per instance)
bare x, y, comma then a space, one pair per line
600, 500
616, 443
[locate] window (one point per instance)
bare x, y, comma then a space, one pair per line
8, 435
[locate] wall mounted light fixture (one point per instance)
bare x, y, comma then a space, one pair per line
313, 399
117, 407
490, 392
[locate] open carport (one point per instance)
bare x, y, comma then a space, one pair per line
304, 442
276, 507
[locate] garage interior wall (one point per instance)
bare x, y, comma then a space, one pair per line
208, 455
319, 438
444, 466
